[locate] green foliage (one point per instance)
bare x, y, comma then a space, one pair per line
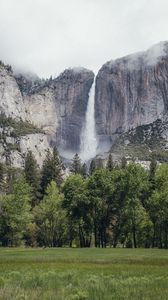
123, 162
134, 212
125, 205
11, 174
158, 207
50, 218
51, 170
15, 213
32, 175
2, 179
77, 205
152, 169
100, 189
92, 167
76, 165
84, 170
110, 164
19, 127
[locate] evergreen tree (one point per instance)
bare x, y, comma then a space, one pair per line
1, 172
92, 167
51, 170
123, 162
31, 169
76, 165
152, 170
11, 174
2, 182
99, 163
84, 172
32, 175
110, 164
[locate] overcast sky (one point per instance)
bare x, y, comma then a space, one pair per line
47, 36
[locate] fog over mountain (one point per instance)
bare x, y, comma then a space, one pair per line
47, 36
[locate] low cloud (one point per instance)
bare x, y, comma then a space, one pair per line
47, 36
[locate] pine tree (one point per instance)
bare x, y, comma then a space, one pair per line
92, 167
99, 163
84, 171
110, 164
123, 162
51, 170
76, 165
10, 177
31, 168
1, 178
152, 170
32, 175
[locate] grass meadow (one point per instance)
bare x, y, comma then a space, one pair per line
80, 274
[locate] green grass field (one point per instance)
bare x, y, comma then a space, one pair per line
80, 274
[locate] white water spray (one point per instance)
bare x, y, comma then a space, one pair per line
88, 137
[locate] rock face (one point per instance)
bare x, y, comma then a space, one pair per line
60, 107
41, 110
57, 106
11, 101
37, 143
71, 90
132, 91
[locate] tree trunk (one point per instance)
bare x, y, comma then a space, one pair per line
154, 235
95, 234
134, 237
160, 238
166, 241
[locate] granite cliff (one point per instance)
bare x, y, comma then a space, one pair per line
55, 108
132, 91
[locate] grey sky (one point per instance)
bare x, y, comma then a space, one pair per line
47, 36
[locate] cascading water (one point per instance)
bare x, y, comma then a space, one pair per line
88, 137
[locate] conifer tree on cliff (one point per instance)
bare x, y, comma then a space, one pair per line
110, 164
84, 170
123, 162
92, 167
51, 170
76, 165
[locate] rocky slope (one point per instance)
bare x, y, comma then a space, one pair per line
132, 91
17, 137
143, 142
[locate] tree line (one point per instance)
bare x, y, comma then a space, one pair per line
116, 205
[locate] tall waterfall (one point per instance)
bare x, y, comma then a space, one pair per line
88, 137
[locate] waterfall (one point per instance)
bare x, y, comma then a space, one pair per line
88, 137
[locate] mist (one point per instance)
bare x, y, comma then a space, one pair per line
47, 36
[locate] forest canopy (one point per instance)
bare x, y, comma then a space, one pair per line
114, 206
